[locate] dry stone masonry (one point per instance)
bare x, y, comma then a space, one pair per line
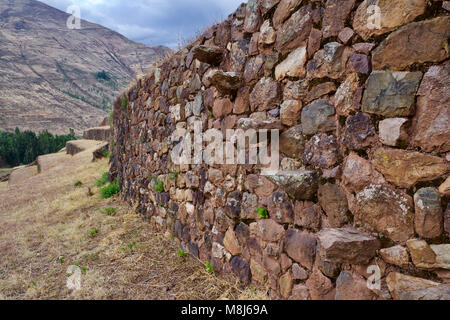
364, 117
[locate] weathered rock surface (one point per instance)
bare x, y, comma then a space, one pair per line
359, 133
397, 255
428, 218
346, 245
300, 185
321, 151
320, 287
300, 246
331, 61
265, 95
293, 65
417, 42
344, 97
431, 124
393, 14
334, 202
403, 287
336, 12
405, 168
393, 131
351, 286
211, 55
284, 10
318, 117
280, 208
359, 173
270, 230
427, 256
391, 94
295, 30
290, 111
292, 142
387, 210
225, 82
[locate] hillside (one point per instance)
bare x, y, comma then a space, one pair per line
49, 74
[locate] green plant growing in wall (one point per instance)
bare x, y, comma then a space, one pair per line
159, 185
173, 175
263, 213
209, 267
124, 102
181, 253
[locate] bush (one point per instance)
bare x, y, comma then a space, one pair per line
262, 212
110, 190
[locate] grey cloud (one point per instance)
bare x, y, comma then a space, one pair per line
153, 22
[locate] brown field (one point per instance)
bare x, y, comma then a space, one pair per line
47, 224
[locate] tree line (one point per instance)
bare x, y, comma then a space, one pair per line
23, 147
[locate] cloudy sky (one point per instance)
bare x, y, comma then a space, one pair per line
152, 22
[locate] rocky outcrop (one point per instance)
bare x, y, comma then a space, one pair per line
360, 181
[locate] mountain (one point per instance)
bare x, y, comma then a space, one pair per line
56, 78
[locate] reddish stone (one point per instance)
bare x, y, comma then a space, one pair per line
336, 13
300, 246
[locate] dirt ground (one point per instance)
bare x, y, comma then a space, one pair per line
47, 225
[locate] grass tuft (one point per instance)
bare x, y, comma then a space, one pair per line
102, 181
110, 190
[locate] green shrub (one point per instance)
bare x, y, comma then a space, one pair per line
78, 183
106, 154
262, 212
181, 253
159, 185
110, 190
209, 268
103, 180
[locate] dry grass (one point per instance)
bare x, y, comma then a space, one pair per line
45, 227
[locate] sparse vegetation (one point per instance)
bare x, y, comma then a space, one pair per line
103, 180
124, 102
93, 232
110, 190
110, 211
181, 253
263, 213
159, 185
209, 268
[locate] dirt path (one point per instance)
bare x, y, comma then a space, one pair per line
47, 225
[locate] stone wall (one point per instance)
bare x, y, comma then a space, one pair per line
364, 114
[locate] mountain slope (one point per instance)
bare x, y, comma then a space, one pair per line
50, 76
